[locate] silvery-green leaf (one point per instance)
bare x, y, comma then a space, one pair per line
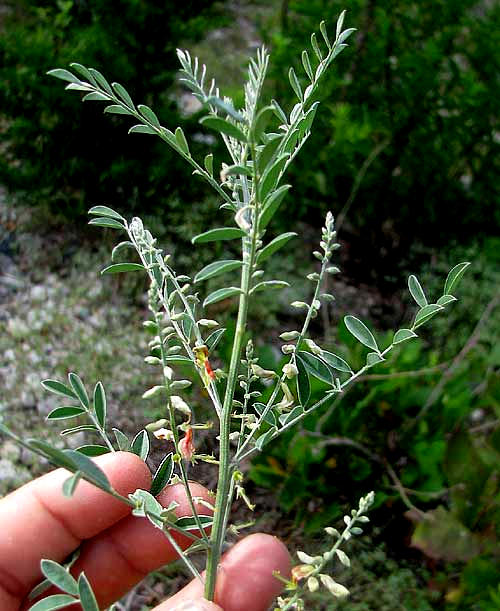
306, 63
274, 245
426, 313
119, 247
237, 170
149, 114
69, 411
93, 450
64, 75
106, 222
56, 456
56, 601
340, 23
345, 35
84, 72
88, 468
225, 107
295, 413
100, 404
270, 418
140, 444
118, 268
306, 123
403, 335
315, 46
322, 28
147, 504
59, 388
169, 137
271, 176
360, 332
290, 141
224, 127
142, 129
261, 121
303, 383
454, 276
262, 440
181, 141
39, 589
163, 475
271, 205
123, 94
189, 523
372, 358
178, 359
266, 152
269, 284
216, 268
87, 596
70, 484
338, 49
294, 82
96, 96
78, 87
122, 440
79, 429
116, 109
209, 164
278, 111
105, 211
79, 388
100, 80
336, 362
214, 338
416, 291
445, 300
219, 234
59, 576
316, 367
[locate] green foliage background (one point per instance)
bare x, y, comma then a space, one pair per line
416, 96
62, 155
407, 137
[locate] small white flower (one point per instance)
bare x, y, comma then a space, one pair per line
338, 590
290, 370
180, 405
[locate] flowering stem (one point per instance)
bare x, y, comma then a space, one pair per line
171, 413
226, 469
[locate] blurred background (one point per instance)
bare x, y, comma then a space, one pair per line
405, 152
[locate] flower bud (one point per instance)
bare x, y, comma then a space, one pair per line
290, 370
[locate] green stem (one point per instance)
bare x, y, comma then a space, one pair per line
305, 326
225, 467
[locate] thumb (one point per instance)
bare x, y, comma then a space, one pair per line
199, 604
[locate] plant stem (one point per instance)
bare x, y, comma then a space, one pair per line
225, 468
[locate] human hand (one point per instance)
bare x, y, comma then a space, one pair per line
117, 549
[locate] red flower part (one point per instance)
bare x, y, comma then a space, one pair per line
209, 370
186, 446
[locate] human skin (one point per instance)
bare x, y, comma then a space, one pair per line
117, 550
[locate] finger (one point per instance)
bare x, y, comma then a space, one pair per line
123, 555
196, 605
37, 521
245, 577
